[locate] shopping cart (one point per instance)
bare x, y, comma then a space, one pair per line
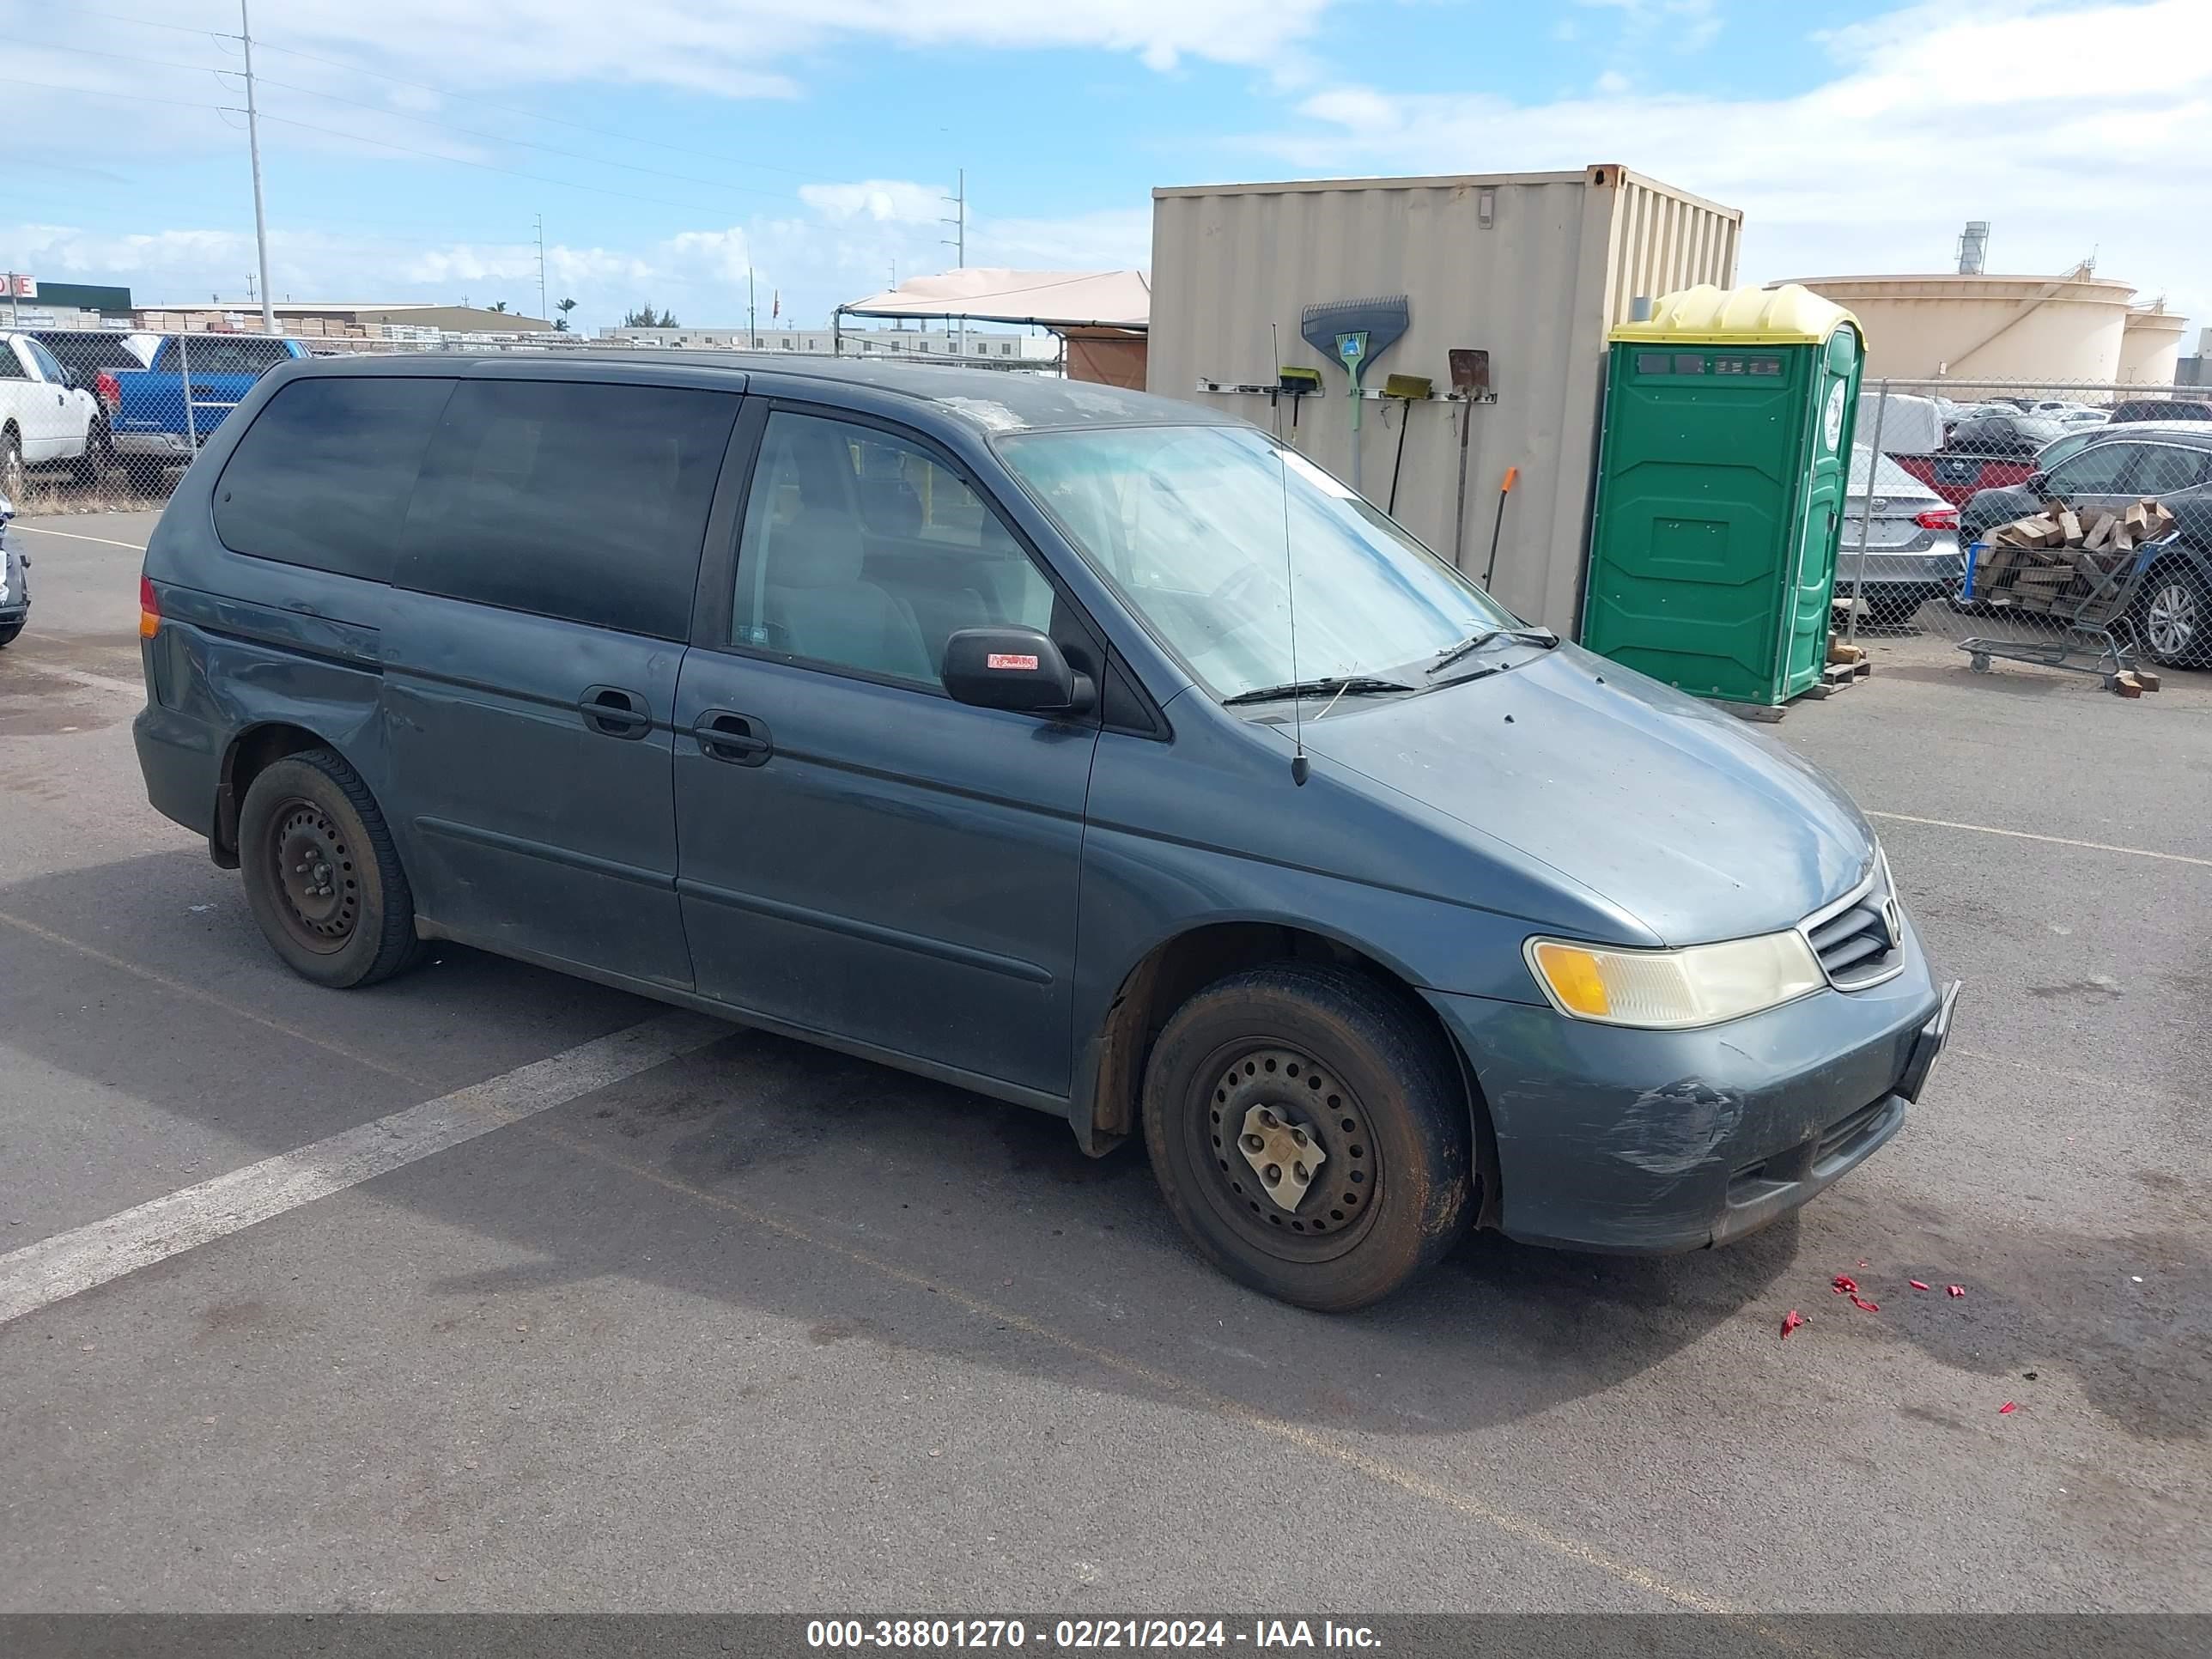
2089, 629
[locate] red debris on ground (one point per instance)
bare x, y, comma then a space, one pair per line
1955, 1290
1790, 1321
2008, 1408
1916, 1284
1844, 1285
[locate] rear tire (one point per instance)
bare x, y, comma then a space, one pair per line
321, 873
2173, 618
1302, 1058
8, 633
14, 477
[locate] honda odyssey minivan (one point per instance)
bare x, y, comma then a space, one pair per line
1086, 749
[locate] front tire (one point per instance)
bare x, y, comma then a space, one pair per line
98, 457
8, 633
1263, 1070
321, 873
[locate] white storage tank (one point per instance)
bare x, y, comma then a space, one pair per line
1533, 268
2042, 330
2150, 345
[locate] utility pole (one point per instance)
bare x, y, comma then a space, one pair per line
752, 315
542, 311
958, 242
253, 149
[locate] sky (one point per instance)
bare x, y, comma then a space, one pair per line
409, 148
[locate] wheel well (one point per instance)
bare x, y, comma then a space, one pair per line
1167, 978
250, 753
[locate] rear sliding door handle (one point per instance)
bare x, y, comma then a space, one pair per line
614, 713
738, 739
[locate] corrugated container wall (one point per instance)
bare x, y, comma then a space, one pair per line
1533, 268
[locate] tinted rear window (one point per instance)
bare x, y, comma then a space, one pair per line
323, 476
219, 354
90, 351
570, 500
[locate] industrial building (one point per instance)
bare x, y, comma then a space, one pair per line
402, 319
992, 347
2077, 327
1531, 269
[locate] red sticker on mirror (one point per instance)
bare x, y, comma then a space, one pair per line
1010, 659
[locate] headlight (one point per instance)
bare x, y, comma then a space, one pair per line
1661, 990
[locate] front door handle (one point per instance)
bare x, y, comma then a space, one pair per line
738, 739
613, 712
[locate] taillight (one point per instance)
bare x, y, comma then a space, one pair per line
1937, 518
108, 390
150, 610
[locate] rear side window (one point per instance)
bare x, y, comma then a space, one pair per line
572, 500
322, 476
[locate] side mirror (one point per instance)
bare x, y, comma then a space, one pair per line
1019, 669
2036, 482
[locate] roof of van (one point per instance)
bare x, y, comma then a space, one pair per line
990, 401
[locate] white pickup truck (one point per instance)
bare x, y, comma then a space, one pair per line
45, 421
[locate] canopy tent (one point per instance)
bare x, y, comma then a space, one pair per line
1052, 298
1101, 316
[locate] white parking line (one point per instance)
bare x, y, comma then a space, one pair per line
75, 536
43, 1273
2055, 841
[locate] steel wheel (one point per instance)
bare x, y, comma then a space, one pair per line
2173, 618
315, 873
1295, 1172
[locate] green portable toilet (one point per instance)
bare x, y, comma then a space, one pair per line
1720, 490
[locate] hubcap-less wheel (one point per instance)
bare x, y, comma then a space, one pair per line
315, 873
2172, 619
1291, 1151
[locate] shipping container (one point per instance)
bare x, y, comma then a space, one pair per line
1533, 268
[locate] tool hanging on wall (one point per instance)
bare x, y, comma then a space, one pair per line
1298, 385
1470, 378
1355, 332
1498, 525
1407, 390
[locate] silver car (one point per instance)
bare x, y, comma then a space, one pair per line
1912, 540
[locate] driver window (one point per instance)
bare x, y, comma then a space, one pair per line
861, 552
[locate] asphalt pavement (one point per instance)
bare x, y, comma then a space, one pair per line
546, 1318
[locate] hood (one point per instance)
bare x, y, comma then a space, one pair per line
1690, 822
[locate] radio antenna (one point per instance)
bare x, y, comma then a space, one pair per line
1299, 767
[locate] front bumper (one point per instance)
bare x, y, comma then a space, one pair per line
1650, 1142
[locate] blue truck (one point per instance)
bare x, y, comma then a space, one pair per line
153, 422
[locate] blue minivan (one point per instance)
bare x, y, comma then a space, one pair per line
1086, 750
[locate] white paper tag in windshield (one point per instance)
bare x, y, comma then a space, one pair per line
1313, 475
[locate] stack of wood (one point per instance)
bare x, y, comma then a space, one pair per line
2063, 553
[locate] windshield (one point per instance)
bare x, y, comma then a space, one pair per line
1197, 528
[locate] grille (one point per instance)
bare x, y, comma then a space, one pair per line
1859, 940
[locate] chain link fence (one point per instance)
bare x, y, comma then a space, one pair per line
2065, 525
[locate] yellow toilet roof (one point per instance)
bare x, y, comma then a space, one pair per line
1705, 315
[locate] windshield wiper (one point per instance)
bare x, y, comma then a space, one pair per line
1340, 685
1474, 642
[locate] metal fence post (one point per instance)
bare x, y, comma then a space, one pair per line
184, 381
1866, 513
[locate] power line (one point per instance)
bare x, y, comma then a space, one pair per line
102, 92
472, 98
526, 143
484, 166
116, 56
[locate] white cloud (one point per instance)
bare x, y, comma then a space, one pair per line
1924, 125
886, 201
1611, 83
